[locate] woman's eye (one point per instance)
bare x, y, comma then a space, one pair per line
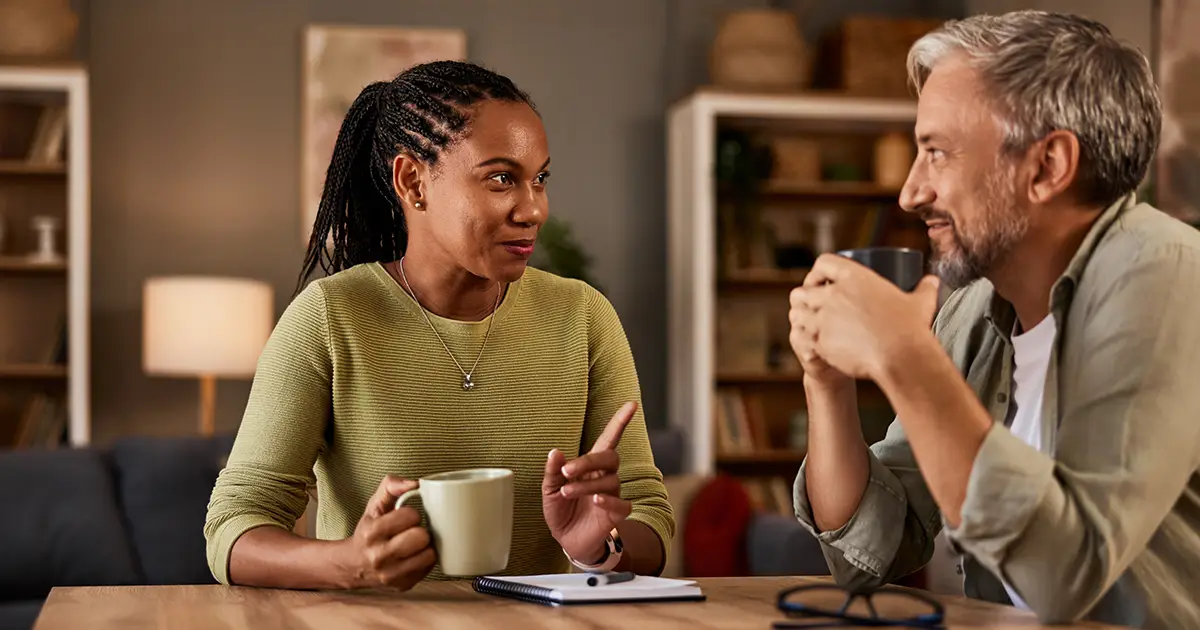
503, 178
542, 177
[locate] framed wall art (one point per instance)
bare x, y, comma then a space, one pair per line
1177, 60
338, 61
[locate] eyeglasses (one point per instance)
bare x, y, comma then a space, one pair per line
903, 608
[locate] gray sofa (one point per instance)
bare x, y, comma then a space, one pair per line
129, 514
133, 514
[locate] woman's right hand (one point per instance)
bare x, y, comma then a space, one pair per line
389, 548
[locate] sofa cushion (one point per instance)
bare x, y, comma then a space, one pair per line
778, 544
714, 534
164, 485
61, 526
681, 491
19, 615
667, 445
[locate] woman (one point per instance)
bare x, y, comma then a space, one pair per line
429, 347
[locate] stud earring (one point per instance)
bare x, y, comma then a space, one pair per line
418, 204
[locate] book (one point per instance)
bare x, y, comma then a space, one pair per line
572, 588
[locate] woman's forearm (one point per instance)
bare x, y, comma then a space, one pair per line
276, 558
643, 550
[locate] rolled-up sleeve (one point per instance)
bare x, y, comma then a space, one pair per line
892, 532
612, 382
1061, 531
270, 468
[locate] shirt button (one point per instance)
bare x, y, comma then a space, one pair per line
1001, 397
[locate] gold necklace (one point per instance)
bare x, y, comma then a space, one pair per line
468, 382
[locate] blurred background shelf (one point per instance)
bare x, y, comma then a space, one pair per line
831, 190
22, 167
33, 371
796, 175
45, 190
21, 264
763, 278
753, 378
775, 456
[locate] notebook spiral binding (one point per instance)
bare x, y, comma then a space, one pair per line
527, 592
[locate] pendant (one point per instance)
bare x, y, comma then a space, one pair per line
467, 382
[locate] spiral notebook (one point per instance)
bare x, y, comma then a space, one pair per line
572, 588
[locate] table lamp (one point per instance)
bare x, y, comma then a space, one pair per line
206, 328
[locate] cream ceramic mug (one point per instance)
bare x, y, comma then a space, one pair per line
470, 514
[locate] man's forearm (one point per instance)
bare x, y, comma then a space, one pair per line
836, 467
941, 416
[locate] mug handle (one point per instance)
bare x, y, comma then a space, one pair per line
407, 496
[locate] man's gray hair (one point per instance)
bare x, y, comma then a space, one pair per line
1050, 71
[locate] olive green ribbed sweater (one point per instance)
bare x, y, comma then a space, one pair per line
353, 385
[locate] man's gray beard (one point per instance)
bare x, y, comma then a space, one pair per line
1003, 224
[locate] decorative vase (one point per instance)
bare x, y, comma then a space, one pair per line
894, 154
37, 30
760, 49
46, 252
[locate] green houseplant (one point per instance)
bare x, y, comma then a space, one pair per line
558, 252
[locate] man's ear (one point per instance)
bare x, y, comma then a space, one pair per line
408, 180
1056, 164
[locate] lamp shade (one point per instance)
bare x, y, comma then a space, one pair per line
205, 326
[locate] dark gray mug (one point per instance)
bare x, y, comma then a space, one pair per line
903, 266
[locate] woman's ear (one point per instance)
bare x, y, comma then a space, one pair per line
408, 180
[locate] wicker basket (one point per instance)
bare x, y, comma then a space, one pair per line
866, 56
37, 30
759, 49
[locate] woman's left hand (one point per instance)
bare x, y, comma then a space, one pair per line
581, 499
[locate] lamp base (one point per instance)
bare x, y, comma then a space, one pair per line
208, 405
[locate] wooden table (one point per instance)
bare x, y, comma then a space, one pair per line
732, 603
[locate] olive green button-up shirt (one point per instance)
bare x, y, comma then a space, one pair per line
1107, 525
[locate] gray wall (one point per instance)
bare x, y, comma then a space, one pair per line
196, 124
1130, 20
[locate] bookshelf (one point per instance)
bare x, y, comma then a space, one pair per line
758, 186
44, 207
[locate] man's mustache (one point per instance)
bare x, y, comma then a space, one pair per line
931, 214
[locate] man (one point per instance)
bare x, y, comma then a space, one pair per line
1050, 421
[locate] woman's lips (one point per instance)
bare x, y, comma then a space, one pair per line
520, 249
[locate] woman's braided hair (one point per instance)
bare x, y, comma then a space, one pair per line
421, 112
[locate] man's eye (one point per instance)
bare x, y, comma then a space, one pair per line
542, 178
503, 178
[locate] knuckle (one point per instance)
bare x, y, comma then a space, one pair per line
407, 516
421, 538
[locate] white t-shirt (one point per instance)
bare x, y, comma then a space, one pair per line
1031, 358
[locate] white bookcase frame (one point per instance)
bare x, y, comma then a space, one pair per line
692, 126
71, 80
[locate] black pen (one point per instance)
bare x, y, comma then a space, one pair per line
611, 578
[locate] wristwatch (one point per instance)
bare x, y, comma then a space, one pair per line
613, 547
